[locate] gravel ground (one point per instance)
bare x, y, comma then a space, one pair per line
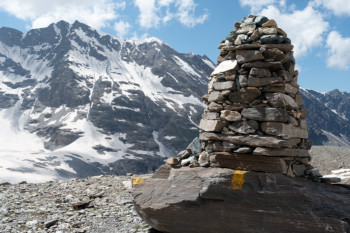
48, 207
332, 158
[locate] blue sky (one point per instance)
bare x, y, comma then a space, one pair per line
319, 29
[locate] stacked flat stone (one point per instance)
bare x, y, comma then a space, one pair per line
254, 119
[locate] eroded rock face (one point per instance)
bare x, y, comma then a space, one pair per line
225, 200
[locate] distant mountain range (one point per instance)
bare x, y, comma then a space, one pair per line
328, 117
76, 102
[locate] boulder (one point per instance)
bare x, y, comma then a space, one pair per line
211, 200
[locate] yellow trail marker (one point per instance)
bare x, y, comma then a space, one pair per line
238, 179
137, 180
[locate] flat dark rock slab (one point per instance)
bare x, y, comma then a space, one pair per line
226, 200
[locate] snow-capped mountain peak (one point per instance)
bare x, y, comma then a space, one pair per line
72, 98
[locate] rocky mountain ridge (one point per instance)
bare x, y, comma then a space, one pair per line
76, 102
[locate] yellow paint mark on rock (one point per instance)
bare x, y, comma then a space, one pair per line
238, 179
137, 180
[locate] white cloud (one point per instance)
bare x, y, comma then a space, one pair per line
122, 28
41, 13
338, 7
165, 2
148, 17
304, 27
185, 14
256, 5
339, 51
154, 12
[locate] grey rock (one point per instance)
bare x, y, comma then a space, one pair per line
212, 125
272, 66
299, 170
283, 130
243, 150
228, 85
265, 114
215, 96
275, 54
250, 163
230, 115
215, 107
244, 56
203, 157
244, 127
244, 95
251, 140
283, 152
287, 77
225, 66
198, 199
260, 73
330, 180
259, 82
210, 116
242, 81
272, 39
283, 88
280, 100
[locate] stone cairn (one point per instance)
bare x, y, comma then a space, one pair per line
254, 119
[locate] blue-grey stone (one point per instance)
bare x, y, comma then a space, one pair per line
260, 20
272, 39
287, 40
206, 164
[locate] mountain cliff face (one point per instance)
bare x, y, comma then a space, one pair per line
328, 117
76, 102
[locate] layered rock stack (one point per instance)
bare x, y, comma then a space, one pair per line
255, 118
252, 144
